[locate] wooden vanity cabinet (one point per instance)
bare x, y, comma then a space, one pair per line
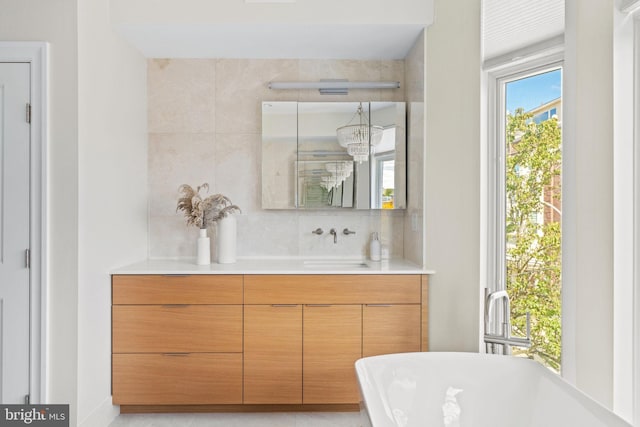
332, 342
176, 340
344, 317
273, 354
256, 339
177, 378
390, 328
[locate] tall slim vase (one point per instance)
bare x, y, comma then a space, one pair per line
226, 239
203, 256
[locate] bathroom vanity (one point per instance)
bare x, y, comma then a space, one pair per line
238, 337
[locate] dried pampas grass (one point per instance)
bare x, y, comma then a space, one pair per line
202, 212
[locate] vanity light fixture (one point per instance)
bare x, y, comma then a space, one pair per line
334, 87
359, 139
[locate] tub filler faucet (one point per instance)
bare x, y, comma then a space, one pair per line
334, 233
504, 337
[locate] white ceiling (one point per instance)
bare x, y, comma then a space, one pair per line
320, 41
509, 25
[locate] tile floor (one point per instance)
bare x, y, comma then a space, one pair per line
297, 419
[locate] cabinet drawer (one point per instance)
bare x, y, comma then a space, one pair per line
332, 289
190, 289
178, 379
175, 328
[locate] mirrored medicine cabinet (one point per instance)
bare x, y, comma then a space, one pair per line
306, 166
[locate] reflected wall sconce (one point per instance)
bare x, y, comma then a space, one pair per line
334, 87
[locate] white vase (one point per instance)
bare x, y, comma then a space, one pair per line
226, 240
204, 248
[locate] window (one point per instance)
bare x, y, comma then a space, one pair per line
527, 206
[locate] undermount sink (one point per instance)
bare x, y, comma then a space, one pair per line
335, 263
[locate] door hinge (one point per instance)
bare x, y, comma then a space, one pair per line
27, 400
28, 113
27, 258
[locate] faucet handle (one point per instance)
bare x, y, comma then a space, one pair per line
318, 231
346, 231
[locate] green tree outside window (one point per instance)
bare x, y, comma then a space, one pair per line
533, 211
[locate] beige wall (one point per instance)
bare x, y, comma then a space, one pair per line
414, 236
587, 247
54, 21
205, 126
452, 171
625, 113
112, 202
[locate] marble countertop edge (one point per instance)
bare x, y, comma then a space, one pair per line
274, 266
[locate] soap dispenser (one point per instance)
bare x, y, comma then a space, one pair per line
374, 247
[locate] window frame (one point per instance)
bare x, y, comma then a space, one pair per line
496, 206
626, 298
517, 65
636, 215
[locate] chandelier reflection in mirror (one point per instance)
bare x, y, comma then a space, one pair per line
338, 172
359, 139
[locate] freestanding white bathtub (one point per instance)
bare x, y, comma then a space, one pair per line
471, 390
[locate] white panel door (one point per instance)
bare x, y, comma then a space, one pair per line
14, 232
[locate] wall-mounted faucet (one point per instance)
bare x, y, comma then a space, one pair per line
333, 232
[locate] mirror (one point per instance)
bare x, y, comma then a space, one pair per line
279, 154
305, 167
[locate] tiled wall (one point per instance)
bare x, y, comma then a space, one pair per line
205, 126
413, 224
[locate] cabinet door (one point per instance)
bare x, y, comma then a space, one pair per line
273, 354
332, 343
390, 329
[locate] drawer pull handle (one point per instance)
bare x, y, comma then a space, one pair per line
176, 354
175, 275
317, 305
284, 305
175, 305
378, 305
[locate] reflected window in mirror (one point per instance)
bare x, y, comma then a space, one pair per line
383, 171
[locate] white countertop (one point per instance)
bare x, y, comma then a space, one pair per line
274, 266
